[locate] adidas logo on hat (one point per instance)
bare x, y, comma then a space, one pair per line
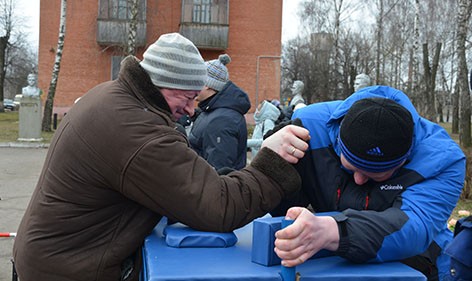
375, 151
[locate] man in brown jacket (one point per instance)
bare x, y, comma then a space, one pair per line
117, 164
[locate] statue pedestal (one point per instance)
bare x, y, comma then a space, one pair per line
30, 119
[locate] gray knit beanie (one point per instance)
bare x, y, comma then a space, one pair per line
217, 72
174, 62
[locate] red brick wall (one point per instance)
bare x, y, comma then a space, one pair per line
255, 28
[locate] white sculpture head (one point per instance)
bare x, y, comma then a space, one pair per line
297, 87
32, 89
362, 80
32, 79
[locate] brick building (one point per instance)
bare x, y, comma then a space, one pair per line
248, 30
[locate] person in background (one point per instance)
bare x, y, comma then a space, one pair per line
394, 176
265, 117
116, 165
362, 81
219, 134
276, 102
460, 251
283, 111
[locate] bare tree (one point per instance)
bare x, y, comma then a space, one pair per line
383, 40
21, 60
298, 63
429, 110
455, 108
331, 61
379, 41
338, 7
132, 27
48, 107
17, 57
6, 21
465, 8
414, 55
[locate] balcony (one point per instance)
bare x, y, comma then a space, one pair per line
206, 23
206, 36
115, 32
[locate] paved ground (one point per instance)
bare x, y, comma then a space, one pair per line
19, 171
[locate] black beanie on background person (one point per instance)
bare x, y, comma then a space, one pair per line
376, 134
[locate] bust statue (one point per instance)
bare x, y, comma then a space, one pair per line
297, 90
30, 112
32, 89
362, 81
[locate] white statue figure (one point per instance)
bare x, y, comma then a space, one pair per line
362, 81
297, 90
32, 89
30, 112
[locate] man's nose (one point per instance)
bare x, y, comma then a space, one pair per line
190, 108
360, 178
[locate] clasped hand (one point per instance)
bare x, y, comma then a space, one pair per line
290, 142
305, 237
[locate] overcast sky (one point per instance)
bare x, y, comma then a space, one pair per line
29, 11
289, 19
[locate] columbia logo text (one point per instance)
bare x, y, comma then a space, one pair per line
391, 187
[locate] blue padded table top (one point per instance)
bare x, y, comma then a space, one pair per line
162, 262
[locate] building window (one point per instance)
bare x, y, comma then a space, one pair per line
119, 9
201, 11
205, 12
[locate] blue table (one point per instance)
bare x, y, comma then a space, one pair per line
234, 263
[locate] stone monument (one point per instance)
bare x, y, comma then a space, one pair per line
362, 81
297, 91
30, 111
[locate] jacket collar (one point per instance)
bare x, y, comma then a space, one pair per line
231, 96
136, 78
375, 92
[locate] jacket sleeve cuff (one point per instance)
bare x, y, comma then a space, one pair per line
276, 168
341, 220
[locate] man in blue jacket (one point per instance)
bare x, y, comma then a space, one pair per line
394, 176
219, 134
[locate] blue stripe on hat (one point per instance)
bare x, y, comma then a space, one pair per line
371, 166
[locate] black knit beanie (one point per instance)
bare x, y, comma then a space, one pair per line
376, 134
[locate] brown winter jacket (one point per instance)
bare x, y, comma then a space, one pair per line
115, 166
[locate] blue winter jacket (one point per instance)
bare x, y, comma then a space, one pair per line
219, 134
460, 251
401, 219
